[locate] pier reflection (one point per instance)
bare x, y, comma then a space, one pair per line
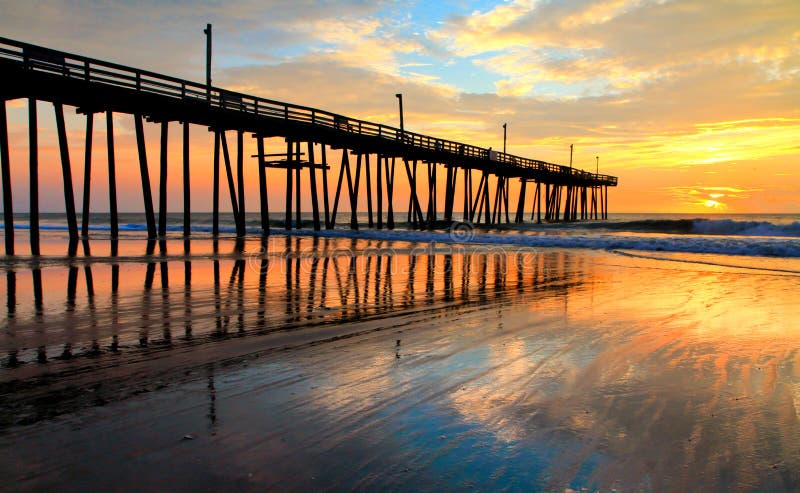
232, 289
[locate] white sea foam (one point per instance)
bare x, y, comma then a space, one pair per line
718, 236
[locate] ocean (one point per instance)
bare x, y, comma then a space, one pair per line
760, 235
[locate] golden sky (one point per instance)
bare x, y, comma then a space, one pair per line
694, 105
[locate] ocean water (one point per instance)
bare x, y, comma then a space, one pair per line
749, 235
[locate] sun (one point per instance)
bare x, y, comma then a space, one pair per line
713, 204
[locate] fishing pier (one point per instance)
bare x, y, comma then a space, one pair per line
370, 155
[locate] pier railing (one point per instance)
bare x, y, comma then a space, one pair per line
76, 67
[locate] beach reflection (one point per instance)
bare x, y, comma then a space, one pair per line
373, 364
66, 309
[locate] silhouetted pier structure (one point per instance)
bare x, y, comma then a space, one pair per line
561, 193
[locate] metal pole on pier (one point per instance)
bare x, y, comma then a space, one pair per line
505, 125
207, 32
400, 100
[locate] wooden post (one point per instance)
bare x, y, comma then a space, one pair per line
112, 176
487, 205
215, 192
521, 201
370, 222
345, 163
505, 197
298, 165
390, 193
187, 191
353, 184
288, 208
328, 224
146, 191
231, 187
548, 203
477, 201
605, 209
66, 171
448, 195
414, 210
262, 186
312, 180
539, 197
498, 196
381, 160
5, 168
467, 194
162, 182
240, 179
87, 175
33, 145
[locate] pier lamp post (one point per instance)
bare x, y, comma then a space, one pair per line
597, 169
504, 137
207, 32
400, 101
570, 156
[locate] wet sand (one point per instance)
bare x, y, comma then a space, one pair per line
325, 364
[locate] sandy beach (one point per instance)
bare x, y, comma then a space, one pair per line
339, 364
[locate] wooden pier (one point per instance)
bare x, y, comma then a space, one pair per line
371, 154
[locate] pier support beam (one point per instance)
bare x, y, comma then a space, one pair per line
367, 173
390, 193
5, 169
112, 180
162, 182
379, 190
146, 191
325, 204
87, 175
288, 208
66, 171
312, 180
215, 187
33, 148
187, 189
240, 180
262, 186
521, 201
231, 186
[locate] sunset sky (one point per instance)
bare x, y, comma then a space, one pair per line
694, 105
